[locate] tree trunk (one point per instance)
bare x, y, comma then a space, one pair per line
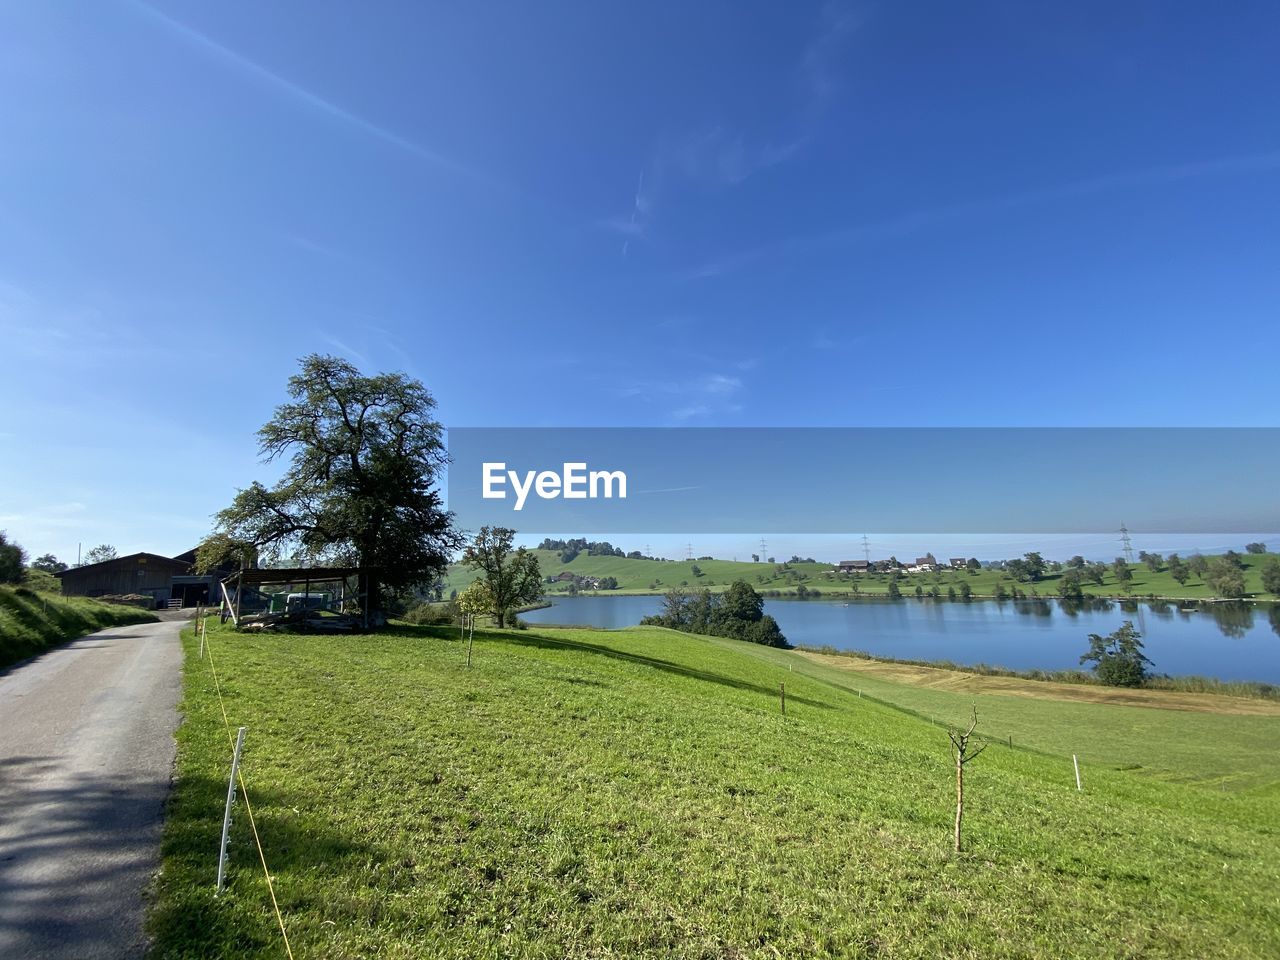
959, 799
502, 618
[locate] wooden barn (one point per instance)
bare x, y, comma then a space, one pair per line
163, 579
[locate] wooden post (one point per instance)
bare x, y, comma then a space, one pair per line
1076, 763
471, 636
782, 690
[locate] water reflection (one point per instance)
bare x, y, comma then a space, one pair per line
1233, 619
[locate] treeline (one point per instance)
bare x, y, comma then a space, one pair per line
737, 613
568, 549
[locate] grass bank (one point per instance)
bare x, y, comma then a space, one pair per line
638, 793
32, 622
1207, 690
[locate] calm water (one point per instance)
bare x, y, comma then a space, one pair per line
1230, 641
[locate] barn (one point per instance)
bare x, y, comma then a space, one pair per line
164, 579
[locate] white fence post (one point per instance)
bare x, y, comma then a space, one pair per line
226, 816
1076, 764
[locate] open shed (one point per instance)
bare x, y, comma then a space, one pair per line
323, 597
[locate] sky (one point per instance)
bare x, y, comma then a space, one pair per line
609, 214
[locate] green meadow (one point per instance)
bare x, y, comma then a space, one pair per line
582, 793
658, 576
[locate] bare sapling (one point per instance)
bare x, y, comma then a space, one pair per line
964, 752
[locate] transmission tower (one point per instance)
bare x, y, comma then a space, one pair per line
866, 549
688, 551
764, 549
1126, 543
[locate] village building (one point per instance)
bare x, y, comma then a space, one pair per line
853, 566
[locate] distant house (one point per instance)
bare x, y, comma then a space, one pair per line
853, 566
958, 563
163, 579
925, 564
565, 577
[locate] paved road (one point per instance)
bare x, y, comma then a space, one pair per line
86, 756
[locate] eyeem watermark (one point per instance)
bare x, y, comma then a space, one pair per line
574, 482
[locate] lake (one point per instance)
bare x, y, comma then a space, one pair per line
1228, 641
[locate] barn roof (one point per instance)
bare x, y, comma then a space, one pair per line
132, 557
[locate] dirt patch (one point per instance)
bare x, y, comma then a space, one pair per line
958, 680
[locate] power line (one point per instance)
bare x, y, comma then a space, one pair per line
1126, 543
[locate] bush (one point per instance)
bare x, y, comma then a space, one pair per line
432, 614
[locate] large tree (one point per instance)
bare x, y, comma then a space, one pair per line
13, 560
1118, 660
512, 576
360, 488
48, 563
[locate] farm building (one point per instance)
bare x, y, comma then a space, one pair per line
146, 574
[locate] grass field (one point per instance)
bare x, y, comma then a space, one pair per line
32, 622
638, 793
657, 576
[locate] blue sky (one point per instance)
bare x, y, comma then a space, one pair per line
608, 214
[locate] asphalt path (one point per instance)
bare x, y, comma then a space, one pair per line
86, 759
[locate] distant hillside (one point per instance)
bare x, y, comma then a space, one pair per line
658, 576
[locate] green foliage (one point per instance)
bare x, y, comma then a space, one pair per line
1226, 578
512, 578
364, 455
220, 550
737, 613
423, 614
1123, 573
1255, 548
13, 560
1029, 568
477, 600
1071, 584
31, 622
100, 554
48, 563
1271, 576
1117, 658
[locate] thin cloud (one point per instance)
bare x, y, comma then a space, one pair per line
915, 221
314, 100
347, 351
694, 398
714, 157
